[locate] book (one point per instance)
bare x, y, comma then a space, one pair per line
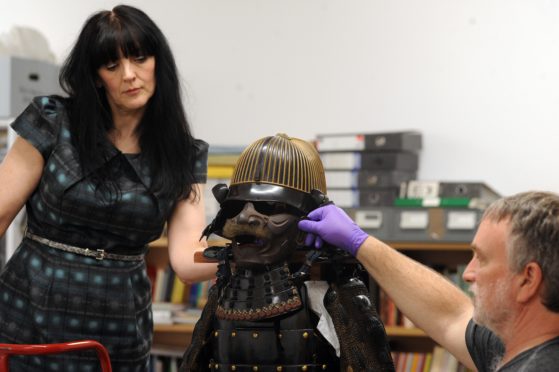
220, 171
437, 361
151, 271
159, 284
169, 279
186, 316
223, 155
178, 292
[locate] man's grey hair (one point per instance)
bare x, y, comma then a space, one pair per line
534, 236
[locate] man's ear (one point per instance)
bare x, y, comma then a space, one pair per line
530, 282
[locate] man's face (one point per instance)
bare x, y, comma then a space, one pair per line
262, 233
490, 277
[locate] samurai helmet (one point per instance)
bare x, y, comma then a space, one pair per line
274, 169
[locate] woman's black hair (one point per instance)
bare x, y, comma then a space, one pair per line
164, 136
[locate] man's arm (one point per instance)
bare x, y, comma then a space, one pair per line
428, 299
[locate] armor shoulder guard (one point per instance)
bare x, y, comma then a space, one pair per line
363, 341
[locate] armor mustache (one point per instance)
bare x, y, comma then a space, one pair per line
232, 229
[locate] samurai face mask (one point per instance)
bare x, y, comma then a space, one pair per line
263, 233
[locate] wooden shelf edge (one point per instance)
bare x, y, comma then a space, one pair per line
399, 245
393, 331
174, 328
390, 330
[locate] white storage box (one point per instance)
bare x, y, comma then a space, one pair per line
22, 79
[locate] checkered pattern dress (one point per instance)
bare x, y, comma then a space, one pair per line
48, 295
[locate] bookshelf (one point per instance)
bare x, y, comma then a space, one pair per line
169, 340
411, 345
401, 338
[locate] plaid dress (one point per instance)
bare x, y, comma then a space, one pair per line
50, 296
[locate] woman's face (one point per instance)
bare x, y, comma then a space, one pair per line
129, 83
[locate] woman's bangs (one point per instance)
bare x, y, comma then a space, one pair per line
127, 41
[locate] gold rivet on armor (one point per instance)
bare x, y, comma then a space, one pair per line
304, 368
255, 335
280, 335
233, 334
279, 368
305, 334
324, 366
216, 333
255, 368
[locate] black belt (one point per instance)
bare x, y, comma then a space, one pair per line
98, 254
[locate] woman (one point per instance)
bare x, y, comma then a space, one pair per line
100, 173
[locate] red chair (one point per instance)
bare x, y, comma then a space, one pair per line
7, 350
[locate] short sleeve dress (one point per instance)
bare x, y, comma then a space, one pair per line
48, 295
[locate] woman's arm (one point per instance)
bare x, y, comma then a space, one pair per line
184, 230
20, 173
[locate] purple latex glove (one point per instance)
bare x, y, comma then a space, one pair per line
332, 225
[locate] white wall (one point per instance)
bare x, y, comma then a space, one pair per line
479, 78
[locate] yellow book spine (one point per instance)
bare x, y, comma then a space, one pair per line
177, 295
220, 171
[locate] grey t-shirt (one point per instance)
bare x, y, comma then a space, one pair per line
486, 349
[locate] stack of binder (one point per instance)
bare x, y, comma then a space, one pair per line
367, 169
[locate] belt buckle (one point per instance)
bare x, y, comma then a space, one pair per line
99, 254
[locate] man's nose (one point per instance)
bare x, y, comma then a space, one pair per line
469, 273
249, 216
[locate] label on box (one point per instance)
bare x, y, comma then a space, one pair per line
368, 219
461, 220
414, 220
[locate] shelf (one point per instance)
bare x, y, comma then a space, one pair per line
403, 246
401, 338
430, 246
174, 328
392, 331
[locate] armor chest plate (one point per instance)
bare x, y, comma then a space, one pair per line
289, 342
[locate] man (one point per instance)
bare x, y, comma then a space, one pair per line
513, 324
